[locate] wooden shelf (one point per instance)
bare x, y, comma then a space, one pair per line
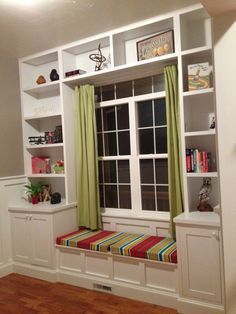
199, 50
201, 133
46, 175
198, 92
37, 117
124, 72
202, 174
44, 90
44, 146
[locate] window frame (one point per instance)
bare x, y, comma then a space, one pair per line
134, 158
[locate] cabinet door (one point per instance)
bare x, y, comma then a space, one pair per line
200, 258
41, 239
21, 237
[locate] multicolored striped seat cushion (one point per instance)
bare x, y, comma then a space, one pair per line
122, 243
145, 246
91, 240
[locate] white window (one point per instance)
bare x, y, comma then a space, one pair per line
132, 147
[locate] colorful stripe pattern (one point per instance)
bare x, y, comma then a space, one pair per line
91, 240
150, 247
121, 243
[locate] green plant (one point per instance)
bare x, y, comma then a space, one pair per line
34, 189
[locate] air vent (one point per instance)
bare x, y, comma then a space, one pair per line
102, 287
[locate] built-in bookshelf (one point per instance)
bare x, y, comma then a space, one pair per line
48, 105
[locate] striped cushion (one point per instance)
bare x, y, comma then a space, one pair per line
91, 240
144, 246
121, 243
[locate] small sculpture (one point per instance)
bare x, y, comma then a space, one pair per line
56, 198
98, 58
41, 80
204, 196
54, 76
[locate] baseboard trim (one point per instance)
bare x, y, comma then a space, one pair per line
144, 294
35, 271
186, 306
6, 269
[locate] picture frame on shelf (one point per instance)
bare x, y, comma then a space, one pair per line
157, 45
199, 76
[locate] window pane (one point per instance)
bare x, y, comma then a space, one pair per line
101, 195
159, 82
161, 166
148, 197
162, 198
146, 171
100, 171
100, 144
110, 144
97, 94
124, 143
108, 92
122, 117
146, 145
110, 171
109, 119
161, 140
111, 196
125, 196
124, 89
145, 115
99, 120
143, 86
123, 171
160, 112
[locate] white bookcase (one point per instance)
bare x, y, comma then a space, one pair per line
50, 104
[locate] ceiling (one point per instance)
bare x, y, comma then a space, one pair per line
26, 29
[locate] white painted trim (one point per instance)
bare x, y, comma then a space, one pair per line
35, 271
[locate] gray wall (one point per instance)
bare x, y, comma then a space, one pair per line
11, 150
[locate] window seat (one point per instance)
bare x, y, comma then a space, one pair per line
137, 245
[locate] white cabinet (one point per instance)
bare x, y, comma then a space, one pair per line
199, 257
34, 231
32, 238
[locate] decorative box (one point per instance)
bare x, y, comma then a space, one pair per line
39, 164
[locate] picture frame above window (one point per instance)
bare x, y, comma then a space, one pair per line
155, 46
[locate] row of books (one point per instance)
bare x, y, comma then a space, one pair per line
198, 161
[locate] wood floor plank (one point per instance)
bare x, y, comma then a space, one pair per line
25, 295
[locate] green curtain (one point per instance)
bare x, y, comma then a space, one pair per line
173, 144
87, 164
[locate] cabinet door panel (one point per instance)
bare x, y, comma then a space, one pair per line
200, 261
21, 238
41, 240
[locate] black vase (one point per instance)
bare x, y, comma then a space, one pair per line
54, 75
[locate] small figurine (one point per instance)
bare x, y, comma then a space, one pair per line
41, 80
98, 58
203, 196
56, 198
54, 75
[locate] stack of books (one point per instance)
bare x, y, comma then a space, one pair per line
198, 161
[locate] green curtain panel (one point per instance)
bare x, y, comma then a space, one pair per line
87, 164
174, 144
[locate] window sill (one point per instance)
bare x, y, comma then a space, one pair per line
165, 217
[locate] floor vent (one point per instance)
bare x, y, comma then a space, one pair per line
102, 287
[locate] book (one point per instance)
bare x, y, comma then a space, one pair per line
199, 76
75, 72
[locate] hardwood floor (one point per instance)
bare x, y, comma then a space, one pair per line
24, 295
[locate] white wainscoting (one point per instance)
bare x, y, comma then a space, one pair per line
136, 278
136, 225
11, 189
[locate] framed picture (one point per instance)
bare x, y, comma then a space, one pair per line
157, 45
